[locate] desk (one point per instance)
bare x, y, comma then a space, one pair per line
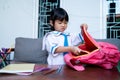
90, 73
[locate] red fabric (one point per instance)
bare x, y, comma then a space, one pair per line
102, 54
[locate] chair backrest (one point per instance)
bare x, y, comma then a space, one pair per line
29, 50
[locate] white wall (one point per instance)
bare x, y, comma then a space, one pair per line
91, 12
18, 18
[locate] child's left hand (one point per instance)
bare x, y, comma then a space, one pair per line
84, 25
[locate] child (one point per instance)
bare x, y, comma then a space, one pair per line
58, 42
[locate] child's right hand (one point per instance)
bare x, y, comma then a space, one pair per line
76, 50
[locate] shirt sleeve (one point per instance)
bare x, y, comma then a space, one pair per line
51, 44
76, 39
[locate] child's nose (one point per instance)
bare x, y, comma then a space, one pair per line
63, 24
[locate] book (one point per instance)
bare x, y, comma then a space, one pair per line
26, 69
17, 68
37, 68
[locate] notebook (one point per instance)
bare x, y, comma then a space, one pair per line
26, 69
16, 68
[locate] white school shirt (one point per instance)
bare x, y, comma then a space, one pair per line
53, 40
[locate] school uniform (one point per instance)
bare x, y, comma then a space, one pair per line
54, 39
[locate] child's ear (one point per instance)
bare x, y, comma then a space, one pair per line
51, 22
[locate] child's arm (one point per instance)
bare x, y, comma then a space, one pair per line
75, 50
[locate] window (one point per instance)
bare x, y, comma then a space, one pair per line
45, 7
113, 20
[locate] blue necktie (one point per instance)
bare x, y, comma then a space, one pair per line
65, 42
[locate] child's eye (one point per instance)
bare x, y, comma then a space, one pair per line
65, 23
60, 23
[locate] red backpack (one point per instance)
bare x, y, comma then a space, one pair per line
102, 54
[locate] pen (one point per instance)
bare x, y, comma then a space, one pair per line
59, 69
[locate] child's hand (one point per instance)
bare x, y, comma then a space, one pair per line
76, 51
84, 25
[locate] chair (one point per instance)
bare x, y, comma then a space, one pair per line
29, 50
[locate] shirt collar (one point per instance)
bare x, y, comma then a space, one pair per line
57, 33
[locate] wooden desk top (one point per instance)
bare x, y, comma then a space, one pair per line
66, 73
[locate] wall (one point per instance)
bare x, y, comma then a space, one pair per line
92, 12
18, 18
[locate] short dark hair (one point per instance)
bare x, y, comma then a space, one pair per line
59, 14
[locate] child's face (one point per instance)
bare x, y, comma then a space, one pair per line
60, 25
